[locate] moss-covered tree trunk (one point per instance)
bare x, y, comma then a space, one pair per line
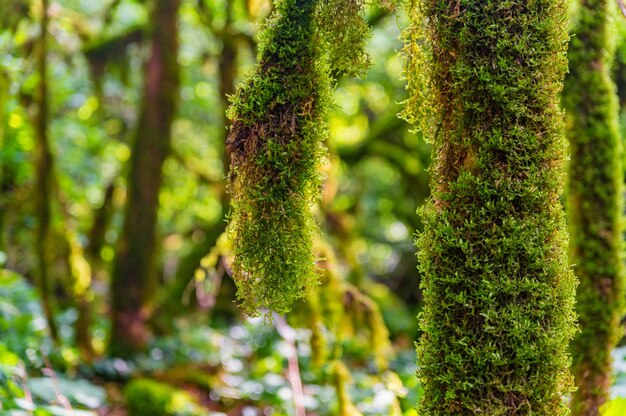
43, 175
595, 203
133, 272
498, 292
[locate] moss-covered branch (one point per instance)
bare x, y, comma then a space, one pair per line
276, 146
595, 203
498, 291
276, 149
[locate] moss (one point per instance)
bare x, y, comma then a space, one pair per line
149, 398
485, 76
364, 312
276, 148
345, 311
341, 379
595, 203
344, 32
315, 322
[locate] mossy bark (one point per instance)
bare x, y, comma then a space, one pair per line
498, 291
595, 203
275, 144
134, 269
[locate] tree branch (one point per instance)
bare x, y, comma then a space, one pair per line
622, 7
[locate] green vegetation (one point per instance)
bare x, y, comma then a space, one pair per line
276, 151
148, 398
595, 203
615, 408
276, 146
484, 79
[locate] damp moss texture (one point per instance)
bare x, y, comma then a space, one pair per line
595, 202
276, 144
484, 78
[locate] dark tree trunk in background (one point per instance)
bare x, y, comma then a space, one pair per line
134, 269
7, 176
595, 204
43, 175
102, 217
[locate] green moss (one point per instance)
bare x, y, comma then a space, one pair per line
595, 202
484, 77
341, 379
276, 148
344, 32
315, 321
149, 398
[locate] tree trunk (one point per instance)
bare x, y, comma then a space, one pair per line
133, 271
498, 291
7, 176
43, 178
595, 204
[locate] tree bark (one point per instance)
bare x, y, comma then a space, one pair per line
7, 176
498, 289
43, 178
134, 270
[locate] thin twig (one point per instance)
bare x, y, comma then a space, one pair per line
22, 376
622, 7
288, 335
49, 371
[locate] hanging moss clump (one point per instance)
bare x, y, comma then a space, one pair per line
344, 32
498, 291
276, 148
341, 379
595, 203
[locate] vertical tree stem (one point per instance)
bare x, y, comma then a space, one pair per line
498, 290
595, 203
134, 269
43, 175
